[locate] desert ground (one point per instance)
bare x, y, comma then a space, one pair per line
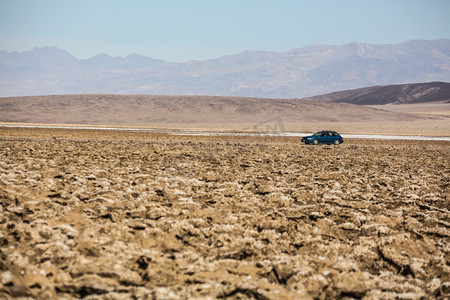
101, 214
227, 113
430, 108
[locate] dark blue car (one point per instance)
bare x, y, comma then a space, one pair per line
323, 137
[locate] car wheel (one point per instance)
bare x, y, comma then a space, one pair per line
336, 142
316, 142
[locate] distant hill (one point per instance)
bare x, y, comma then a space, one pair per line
148, 110
395, 94
302, 72
219, 112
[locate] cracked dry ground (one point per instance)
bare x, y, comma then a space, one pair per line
132, 215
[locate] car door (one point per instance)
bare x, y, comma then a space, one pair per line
323, 138
329, 137
333, 137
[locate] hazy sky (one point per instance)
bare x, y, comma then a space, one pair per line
183, 30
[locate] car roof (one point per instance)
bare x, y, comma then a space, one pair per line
327, 131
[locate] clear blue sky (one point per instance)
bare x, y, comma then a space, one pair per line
183, 30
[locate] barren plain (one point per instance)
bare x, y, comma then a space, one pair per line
226, 113
98, 214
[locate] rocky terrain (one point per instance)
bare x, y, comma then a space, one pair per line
113, 215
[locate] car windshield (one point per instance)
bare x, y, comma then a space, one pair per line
317, 133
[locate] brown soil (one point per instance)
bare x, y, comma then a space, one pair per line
113, 215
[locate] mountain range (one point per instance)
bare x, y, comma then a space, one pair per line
303, 72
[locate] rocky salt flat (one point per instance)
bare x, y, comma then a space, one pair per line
123, 215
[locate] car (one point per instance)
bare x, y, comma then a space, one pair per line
323, 137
